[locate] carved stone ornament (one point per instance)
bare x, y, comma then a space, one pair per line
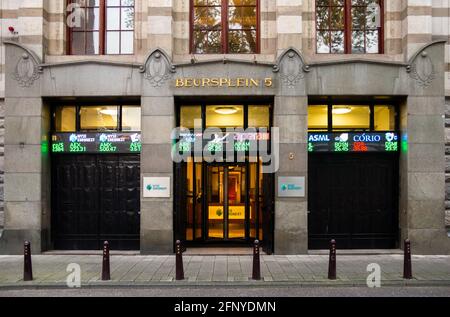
158, 69
422, 70
291, 69
26, 72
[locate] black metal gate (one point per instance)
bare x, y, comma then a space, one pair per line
353, 198
96, 198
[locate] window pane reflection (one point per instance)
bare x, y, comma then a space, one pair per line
65, 118
131, 118
99, 118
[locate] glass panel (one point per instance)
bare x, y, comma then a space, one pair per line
372, 46
101, 118
318, 117
126, 43
322, 18
337, 42
207, 17
188, 114
242, 41
215, 200
207, 42
253, 199
358, 42
131, 118
113, 19
323, 42
337, 18
259, 116
198, 201
236, 202
190, 203
78, 45
112, 42
261, 202
93, 19
226, 116
92, 43
384, 118
65, 118
351, 117
127, 19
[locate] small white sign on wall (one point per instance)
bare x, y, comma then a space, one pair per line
156, 187
291, 186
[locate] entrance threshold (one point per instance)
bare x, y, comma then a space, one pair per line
358, 252
220, 251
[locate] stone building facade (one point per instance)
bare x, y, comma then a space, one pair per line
413, 69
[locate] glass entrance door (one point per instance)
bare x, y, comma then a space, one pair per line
226, 202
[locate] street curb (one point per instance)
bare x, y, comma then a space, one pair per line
249, 284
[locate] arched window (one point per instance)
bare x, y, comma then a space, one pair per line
349, 26
97, 27
224, 26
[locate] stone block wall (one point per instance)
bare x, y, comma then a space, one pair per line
447, 163
2, 149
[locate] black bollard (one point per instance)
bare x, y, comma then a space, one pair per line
256, 275
407, 265
179, 261
332, 261
106, 272
27, 266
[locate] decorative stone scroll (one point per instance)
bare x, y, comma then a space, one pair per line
291, 68
26, 71
422, 70
158, 68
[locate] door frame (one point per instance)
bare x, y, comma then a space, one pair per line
205, 206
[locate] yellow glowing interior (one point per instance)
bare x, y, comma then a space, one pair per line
217, 120
384, 118
318, 117
65, 119
357, 118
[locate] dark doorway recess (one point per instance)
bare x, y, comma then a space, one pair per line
353, 198
95, 198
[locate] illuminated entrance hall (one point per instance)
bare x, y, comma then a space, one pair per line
228, 201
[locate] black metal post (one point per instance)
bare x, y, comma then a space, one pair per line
106, 271
27, 265
332, 261
407, 265
256, 274
179, 261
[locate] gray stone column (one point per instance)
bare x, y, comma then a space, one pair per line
24, 155
158, 120
422, 212
291, 223
290, 116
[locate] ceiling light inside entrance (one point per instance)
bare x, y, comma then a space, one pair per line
226, 110
109, 112
342, 110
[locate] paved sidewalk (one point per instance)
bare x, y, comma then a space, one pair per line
128, 270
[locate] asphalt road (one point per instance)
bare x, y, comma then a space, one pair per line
234, 292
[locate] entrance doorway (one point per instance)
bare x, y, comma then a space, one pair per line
353, 199
96, 198
227, 202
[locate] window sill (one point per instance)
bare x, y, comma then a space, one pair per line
51, 59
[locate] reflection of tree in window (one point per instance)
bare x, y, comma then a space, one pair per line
107, 27
345, 26
224, 26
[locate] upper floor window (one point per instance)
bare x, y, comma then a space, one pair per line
349, 26
101, 27
224, 26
